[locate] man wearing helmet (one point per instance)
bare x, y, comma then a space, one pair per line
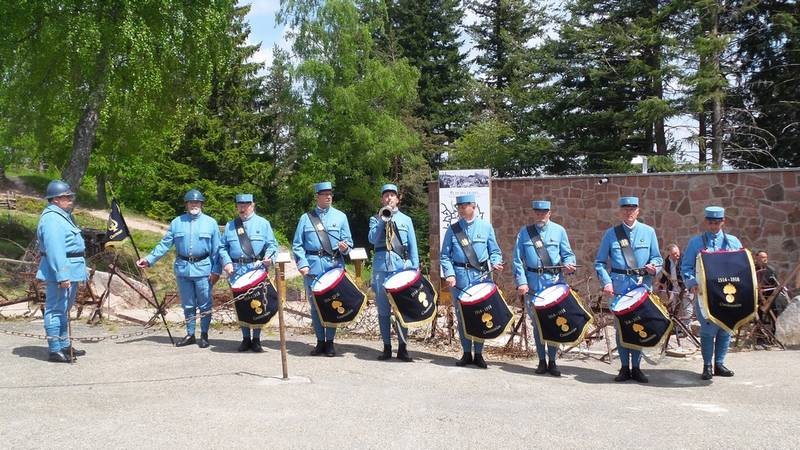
62, 267
197, 243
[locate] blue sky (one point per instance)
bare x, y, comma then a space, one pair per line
263, 28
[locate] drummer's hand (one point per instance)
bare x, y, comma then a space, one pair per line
451, 282
608, 290
65, 284
649, 268
569, 268
142, 263
498, 267
228, 269
522, 289
304, 271
267, 262
343, 246
213, 278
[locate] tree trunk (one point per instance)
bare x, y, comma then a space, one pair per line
102, 197
702, 132
83, 141
716, 99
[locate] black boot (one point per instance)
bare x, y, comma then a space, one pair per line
58, 357
187, 340
319, 349
330, 350
466, 358
203, 342
721, 371
402, 354
387, 353
245, 345
639, 376
707, 375
552, 368
73, 351
624, 375
479, 361
541, 368
256, 346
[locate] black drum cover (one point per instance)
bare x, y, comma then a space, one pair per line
728, 290
339, 304
486, 317
413, 303
564, 321
257, 306
646, 324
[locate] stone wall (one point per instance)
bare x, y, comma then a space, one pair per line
762, 208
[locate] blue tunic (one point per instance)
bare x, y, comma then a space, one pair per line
556, 242
262, 239
377, 237
452, 257
306, 244
193, 236
59, 236
644, 243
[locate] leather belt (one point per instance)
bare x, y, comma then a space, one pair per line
467, 266
193, 259
639, 272
541, 270
72, 254
320, 253
245, 260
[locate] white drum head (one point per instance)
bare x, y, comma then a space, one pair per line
248, 278
627, 300
400, 279
550, 295
476, 292
327, 279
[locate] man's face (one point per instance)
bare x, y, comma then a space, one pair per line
675, 253
762, 258
390, 199
466, 210
541, 216
324, 199
629, 213
245, 209
714, 225
65, 202
194, 207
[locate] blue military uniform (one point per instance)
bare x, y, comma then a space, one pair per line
385, 263
714, 341
197, 244
307, 250
62, 248
454, 262
262, 239
611, 267
528, 268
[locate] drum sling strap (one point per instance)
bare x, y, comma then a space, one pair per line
538, 245
244, 240
722, 246
397, 244
466, 246
625, 246
322, 233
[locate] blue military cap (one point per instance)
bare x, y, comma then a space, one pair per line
541, 204
629, 201
466, 198
244, 198
323, 186
389, 187
715, 212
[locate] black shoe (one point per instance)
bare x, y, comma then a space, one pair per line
466, 358
624, 375
58, 357
552, 368
721, 371
479, 361
319, 349
707, 375
639, 376
245, 345
256, 346
203, 342
387, 353
187, 340
402, 354
330, 350
541, 369
73, 351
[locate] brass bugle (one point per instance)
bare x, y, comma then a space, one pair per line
385, 214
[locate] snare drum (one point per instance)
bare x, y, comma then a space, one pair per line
642, 321
484, 312
412, 296
728, 287
560, 316
256, 298
337, 299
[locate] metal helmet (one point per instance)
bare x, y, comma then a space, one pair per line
194, 196
57, 188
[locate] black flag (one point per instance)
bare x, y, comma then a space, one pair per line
117, 229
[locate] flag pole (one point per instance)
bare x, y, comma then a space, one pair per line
149, 284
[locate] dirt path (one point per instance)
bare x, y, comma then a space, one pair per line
135, 223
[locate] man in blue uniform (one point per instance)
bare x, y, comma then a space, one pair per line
197, 243
395, 249
479, 240
630, 253
255, 233
714, 341
321, 239
539, 248
62, 267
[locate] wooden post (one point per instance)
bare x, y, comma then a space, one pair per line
280, 279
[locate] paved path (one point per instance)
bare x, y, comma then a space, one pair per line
143, 393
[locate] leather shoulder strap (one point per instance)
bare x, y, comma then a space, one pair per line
625, 246
466, 246
244, 239
538, 245
322, 233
